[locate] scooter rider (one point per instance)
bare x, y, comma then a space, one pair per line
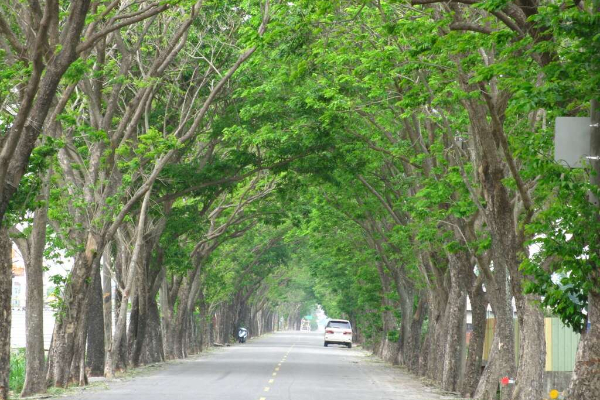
242, 335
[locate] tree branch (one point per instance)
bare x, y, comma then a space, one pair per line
132, 19
12, 39
467, 26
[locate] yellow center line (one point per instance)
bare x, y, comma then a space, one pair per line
271, 380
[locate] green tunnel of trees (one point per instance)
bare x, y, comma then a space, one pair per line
209, 164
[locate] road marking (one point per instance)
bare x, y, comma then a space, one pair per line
277, 369
266, 388
271, 380
274, 373
279, 365
263, 398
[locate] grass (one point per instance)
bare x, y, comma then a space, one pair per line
17, 370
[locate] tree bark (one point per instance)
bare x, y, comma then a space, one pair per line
585, 383
413, 344
166, 321
132, 327
475, 352
106, 301
501, 360
120, 348
388, 350
452, 354
34, 317
142, 278
121, 260
95, 328
5, 309
152, 349
133, 268
71, 322
532, 349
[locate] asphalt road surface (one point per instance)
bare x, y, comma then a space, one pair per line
281, 366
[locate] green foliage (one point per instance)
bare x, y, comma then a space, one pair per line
353, 111
17, 370
565, 234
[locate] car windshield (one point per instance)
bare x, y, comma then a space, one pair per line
339, 325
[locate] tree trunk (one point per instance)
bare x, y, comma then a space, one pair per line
106, 302
492, 162
178, 322
34, 317
71, 319
406, 307
5, 309
112, 356
132, 328
120, 348
452, 354
77, 370
413, 342
142, 318
152, 349
501, 361
475, 353
167, 321
95, 328
585, 383
133, 270
532, 351
454, 318
388, 350
438, 318
424, 353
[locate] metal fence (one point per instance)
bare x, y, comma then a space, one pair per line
561, 343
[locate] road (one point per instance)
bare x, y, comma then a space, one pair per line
281, 366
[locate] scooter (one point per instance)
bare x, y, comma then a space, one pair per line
242, 335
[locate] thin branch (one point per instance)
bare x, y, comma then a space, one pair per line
12, 39
90, 42
467, 26
381, 199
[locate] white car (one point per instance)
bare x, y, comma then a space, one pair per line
338, 331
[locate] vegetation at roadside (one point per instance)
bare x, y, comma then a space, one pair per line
17, 370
